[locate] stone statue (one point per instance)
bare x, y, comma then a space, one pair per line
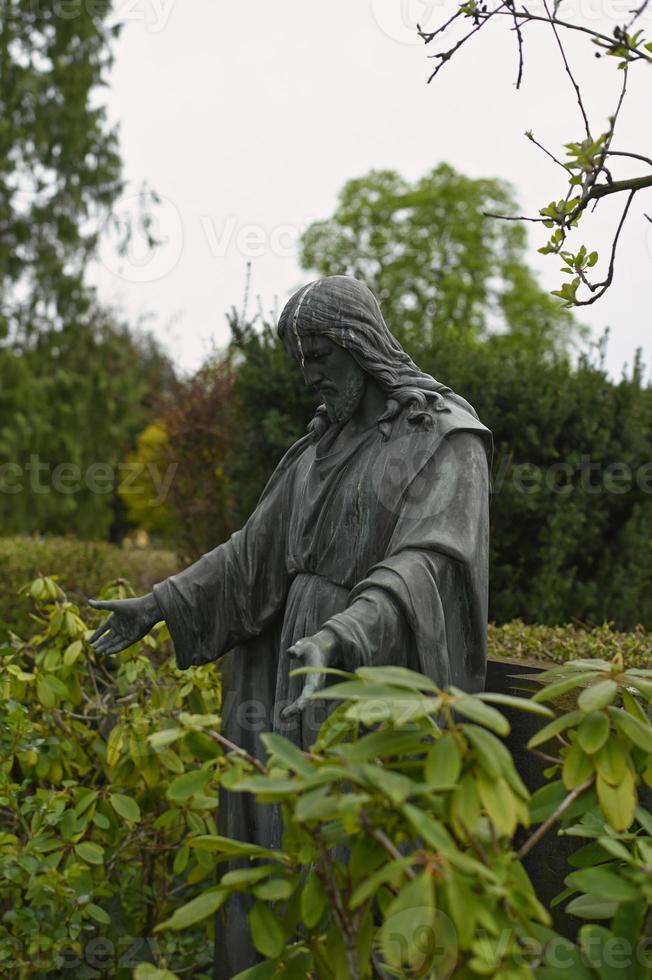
369, 545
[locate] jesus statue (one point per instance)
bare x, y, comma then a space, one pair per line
368, 546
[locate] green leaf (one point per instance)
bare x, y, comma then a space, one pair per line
554, 728
521, 704
383, 745
483, 714
400, 676
125, 807
233, 848
590, 907
604, 883
393, 785
399, 710
165, 736
612, 761
597, 695
618, 803
407, 936
264, 971
266, 930
274, 890
287, 753
314, 902
183, 787
593, 731
145, 971
392, 873
246, 876
194, 911
636, 731
98, 914
72, 652
577, 768
89, 852
444, 762
489, 759
498, 802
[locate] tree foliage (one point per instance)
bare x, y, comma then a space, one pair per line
76, 385
60, 170
71, 405
183, 488
438, 265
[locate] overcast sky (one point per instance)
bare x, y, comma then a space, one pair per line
248, 117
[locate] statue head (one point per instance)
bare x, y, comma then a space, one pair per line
344, 312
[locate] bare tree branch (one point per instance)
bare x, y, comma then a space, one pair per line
601, 288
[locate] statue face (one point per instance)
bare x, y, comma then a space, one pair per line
335, 374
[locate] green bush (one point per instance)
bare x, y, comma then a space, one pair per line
523, 641
405, 824
82, 567
95, 822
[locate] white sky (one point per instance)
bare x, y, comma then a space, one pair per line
248, 117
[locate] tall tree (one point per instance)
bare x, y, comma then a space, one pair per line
438, 265
60, 168
76, 384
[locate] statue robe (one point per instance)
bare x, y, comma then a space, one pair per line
385, 542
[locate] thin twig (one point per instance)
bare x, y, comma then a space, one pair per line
232, 747
541, 831
330, 884
568, 71
513, 217
564, 166
567, 25
634, 156
387, 845
636, 13
602, 287
447, 55
519, 38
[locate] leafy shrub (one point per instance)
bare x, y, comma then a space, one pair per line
406, 824
94, 821
521, 640
82, 567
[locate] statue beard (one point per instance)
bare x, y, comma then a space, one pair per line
341, 404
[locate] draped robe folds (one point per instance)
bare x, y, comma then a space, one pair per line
384, 542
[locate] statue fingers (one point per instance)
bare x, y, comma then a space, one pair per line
106, 625
294, 709
111, 644
110, 604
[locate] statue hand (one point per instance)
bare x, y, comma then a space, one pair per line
130, 621
311, 651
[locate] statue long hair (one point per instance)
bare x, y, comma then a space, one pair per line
347, 312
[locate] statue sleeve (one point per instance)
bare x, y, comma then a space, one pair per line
424, 605
232, 593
